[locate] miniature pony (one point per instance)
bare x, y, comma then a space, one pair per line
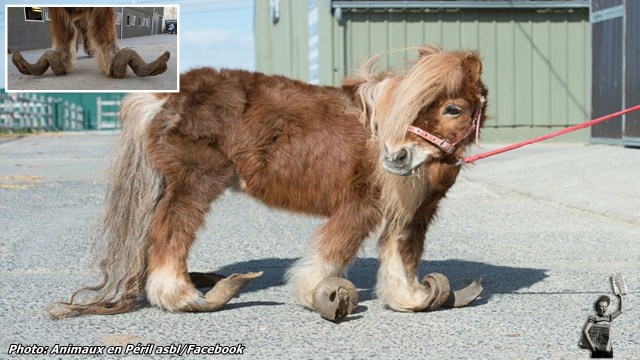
378, 153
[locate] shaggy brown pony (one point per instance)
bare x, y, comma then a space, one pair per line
98, 28
344, 153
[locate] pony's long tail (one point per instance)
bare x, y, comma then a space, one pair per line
134, 189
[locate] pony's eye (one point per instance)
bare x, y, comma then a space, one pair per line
452, 110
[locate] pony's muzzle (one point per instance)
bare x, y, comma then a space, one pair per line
398, 162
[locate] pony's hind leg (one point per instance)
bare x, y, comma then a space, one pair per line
81, 28
194, 175
332, 249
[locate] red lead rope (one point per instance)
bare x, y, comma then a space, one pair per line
583, 125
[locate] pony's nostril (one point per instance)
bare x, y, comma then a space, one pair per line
398, 159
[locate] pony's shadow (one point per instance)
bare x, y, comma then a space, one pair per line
495, 279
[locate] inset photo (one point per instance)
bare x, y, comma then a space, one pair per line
121, 49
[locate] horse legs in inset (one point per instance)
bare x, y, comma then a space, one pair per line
97, 26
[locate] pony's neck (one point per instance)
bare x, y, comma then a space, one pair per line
399, 197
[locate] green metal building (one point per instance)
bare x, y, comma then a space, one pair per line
536, 54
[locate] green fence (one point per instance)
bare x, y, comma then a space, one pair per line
21, 112
58, 112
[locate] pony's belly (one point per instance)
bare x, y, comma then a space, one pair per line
301, 192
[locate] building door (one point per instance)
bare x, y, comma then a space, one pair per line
631, 134
606, 68
615, 83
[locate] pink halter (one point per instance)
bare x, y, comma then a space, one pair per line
445, 145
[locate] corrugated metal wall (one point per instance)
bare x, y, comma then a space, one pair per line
282, 46
536, 63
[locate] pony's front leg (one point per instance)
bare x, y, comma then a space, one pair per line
398, 286
332, 249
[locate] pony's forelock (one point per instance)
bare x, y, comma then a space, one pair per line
389, 112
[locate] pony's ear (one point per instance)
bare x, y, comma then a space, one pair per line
472, 66
350, 83
428, 50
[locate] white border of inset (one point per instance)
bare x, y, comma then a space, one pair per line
115, 5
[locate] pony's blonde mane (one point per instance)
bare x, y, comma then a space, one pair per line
434, 73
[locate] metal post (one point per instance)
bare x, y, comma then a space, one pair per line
99, 110
50, 117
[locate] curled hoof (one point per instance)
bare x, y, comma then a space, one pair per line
466, 296
438, 289
49, 59
335, 298
20, 62
205, 280
129, 57
160, 65
441, 295
223, 291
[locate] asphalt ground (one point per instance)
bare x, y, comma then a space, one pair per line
87, 76
544, 226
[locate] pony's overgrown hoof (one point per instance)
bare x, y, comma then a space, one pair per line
441, 295
129, 57
335, 298
466, 296
49, 59
20, 63
223, 291
205, 280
